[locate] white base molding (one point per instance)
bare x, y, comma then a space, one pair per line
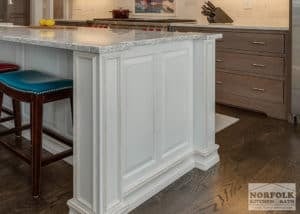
157, 181
76, 207
205, 160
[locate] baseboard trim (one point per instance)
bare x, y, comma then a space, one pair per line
75, 207
156, 181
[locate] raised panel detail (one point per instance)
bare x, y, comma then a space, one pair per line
111, 70
138, 91
85, 132
175, 99
8, 52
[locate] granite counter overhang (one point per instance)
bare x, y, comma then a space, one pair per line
95, 40
231, 26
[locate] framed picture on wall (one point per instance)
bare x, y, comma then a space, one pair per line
155, 7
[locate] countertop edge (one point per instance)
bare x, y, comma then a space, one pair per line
228, 26
122, 46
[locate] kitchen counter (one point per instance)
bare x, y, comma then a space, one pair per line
6, 24
144, 107
231, 26
95, 40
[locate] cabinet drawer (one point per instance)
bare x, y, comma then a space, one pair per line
251, 87
273, 66
273, 43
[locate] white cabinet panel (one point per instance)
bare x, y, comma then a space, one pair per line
111, 74
176, 86
137, 89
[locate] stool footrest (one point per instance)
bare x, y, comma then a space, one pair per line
7, 111
13, 130
5, 119
23, 149
56, 157
58, 137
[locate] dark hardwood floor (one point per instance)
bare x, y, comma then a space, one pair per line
15, 186
256, 149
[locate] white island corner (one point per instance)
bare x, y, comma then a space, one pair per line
144, 107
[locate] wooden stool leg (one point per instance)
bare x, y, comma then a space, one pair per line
36, 110
17, 117
1, 102
72, 111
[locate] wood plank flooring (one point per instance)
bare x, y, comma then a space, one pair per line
256, 149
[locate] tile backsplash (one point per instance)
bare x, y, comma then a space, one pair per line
244, 12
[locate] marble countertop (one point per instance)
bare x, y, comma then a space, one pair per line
95, 40
231, 26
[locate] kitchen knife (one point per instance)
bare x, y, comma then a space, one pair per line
207, 8
211, 5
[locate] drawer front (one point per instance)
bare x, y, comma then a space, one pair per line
251, 87
258, 42
273, 66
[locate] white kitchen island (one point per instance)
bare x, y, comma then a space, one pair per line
144, 107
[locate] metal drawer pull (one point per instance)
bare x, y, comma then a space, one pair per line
258, 65
219, 82
258, 89
219, 60
258, 43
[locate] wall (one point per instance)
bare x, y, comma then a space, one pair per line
263, 12
36, 11
89, 9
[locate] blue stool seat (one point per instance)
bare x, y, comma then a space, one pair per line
34, 82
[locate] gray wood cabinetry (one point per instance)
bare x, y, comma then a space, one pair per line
253, 69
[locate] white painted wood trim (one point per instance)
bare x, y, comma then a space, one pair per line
36, 11
142, 117
86, 137
119, 188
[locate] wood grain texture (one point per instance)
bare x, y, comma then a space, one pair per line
18, 13
264, 54
252, 42
250, 87
256, 149
250, 64
15, 186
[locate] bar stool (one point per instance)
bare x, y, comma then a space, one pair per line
36, 88
4, 68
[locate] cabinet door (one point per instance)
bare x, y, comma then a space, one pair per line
156, 90
138, 113
17, 12
3, 10
176, 101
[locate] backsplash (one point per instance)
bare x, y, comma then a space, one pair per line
261, 12
89, 9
